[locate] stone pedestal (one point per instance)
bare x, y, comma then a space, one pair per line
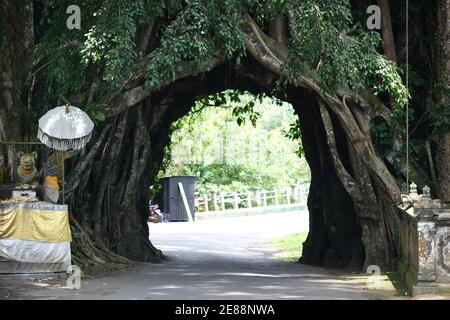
425, 245
23, 194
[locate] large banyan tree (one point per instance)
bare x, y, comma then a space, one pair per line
136, 66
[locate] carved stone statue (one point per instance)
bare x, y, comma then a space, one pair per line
51, 185
26, 171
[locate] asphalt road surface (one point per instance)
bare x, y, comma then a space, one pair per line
228, 258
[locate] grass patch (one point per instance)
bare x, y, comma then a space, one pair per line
291, 245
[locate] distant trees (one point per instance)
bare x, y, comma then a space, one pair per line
210, 144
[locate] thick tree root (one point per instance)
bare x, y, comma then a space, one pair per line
93, 257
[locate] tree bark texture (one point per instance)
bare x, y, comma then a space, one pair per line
386, 30
14, 70
443, 143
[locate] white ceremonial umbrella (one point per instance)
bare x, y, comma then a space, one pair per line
65, 128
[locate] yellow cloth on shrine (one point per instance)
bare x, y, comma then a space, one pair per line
51, 189
17, 221
52, 181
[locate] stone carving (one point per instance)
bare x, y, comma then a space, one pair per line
427, 251
426, 192
420, 201
425, 248
444, 253
51, 185
26, 171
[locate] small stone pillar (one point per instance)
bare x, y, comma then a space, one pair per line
258, 197
235, 200
288, 195
296, 193
293, 189
427, 251
264, 198
426, 228
205, 197
222, 201
197, 200
249, 199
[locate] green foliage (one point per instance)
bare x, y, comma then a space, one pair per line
384, 76
96, 112
67, 74
294, 133
195, 30
384, 134
242, 104
106, 43
203, 29
320, 42
268, 10
226, 177
111, 39
382, 137
439, 114
416, 77
59, 49
241, 111
291, 245
317, 28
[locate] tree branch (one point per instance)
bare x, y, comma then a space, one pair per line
80, 169
273, 56
137, 94
347, 180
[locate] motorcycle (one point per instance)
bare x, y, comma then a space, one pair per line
155, 214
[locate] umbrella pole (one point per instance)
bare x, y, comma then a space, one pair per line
63, 176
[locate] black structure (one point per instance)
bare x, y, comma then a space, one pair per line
170, 198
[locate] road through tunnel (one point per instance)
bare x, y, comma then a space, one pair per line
335, 232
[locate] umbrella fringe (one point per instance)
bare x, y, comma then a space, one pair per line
63, 144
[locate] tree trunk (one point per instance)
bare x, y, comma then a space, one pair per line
443, 142
352, 218
386, 30
334, 238
278, 30
109, 186
14, 69
443, 157
111, 201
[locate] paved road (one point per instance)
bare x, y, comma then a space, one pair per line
213, 259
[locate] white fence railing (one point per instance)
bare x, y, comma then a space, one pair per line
221, 201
